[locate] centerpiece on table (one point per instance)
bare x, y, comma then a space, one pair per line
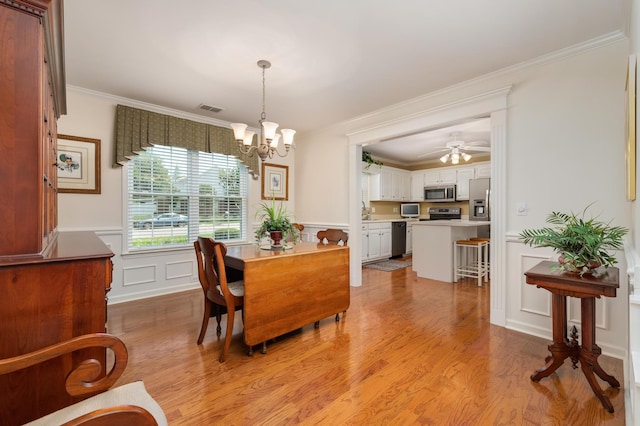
582, 243
275, 224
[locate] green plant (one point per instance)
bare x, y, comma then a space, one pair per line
275, 218
582, 243
367, 158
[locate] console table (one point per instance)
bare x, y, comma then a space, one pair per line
587, 288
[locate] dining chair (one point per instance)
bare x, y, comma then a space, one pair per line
333, 236
219, 294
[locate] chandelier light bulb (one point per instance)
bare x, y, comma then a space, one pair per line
287, 136
276, 139
248, 138
238, 131
444, 158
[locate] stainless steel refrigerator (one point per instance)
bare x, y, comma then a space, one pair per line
479, 203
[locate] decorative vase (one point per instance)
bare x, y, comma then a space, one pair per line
276, 239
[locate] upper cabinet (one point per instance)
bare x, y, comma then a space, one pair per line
464, 175
483, 170
389, 184
441, 176
417, 186
33, 97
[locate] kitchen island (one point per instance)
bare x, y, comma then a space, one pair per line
433, 245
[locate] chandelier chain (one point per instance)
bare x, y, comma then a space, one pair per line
263, 116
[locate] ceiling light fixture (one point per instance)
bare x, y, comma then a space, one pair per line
268, 139
455, 156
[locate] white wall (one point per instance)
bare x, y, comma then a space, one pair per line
564, 150
565, 141
141, 274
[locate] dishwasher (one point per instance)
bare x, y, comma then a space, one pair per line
398, 238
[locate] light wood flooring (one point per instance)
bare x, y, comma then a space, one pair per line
408, 351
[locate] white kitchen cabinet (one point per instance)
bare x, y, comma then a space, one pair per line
365, 242
417, 186
377, 243
405, 187
389, 184
442, 176
409, 246
463, 176
380, 186
483, 170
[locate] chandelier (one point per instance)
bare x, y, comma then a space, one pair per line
268, 139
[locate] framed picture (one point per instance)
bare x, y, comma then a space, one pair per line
78, 161
275, 182
630, 107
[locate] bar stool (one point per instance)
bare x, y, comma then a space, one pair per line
485, 254
467, 260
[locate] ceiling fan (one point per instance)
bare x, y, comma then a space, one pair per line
459, 150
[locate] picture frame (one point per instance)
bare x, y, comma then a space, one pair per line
78, 163
630, 127
275, 182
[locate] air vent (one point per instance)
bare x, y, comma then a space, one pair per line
210, 108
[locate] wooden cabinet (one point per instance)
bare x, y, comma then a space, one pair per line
45, 300
52, 284
463, 176
31, 75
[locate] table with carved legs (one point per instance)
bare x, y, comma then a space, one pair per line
587, 288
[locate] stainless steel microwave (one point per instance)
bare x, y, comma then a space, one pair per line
440, 193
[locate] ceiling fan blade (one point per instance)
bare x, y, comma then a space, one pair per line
433, 152
476, 143
476, 148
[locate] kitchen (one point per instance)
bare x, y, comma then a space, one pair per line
402, 193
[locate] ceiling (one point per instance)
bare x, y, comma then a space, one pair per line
332, 60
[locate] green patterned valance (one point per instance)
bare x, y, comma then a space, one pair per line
137, 129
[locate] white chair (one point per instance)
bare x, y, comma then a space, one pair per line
468, 260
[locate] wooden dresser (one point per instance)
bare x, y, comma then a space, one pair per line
53, 285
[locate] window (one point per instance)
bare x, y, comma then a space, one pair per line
176, 195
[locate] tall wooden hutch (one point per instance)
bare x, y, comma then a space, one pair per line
52, 284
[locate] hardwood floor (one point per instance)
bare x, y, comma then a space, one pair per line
408, 351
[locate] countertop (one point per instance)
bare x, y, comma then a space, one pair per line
453, 222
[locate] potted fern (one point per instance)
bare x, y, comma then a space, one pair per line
582, 243
275, 223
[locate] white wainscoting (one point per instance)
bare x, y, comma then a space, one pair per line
154, 273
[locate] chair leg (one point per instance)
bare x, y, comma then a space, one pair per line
316, 324
264, 347
338, 317
205, 320
218, 319
229, 334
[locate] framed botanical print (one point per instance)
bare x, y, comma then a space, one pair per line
275, 182
78, 162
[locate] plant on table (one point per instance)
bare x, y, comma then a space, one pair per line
582, 243
275, 218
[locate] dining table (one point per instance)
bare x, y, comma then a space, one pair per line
288, 288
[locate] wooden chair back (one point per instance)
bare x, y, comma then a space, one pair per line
333, 236
211, 270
